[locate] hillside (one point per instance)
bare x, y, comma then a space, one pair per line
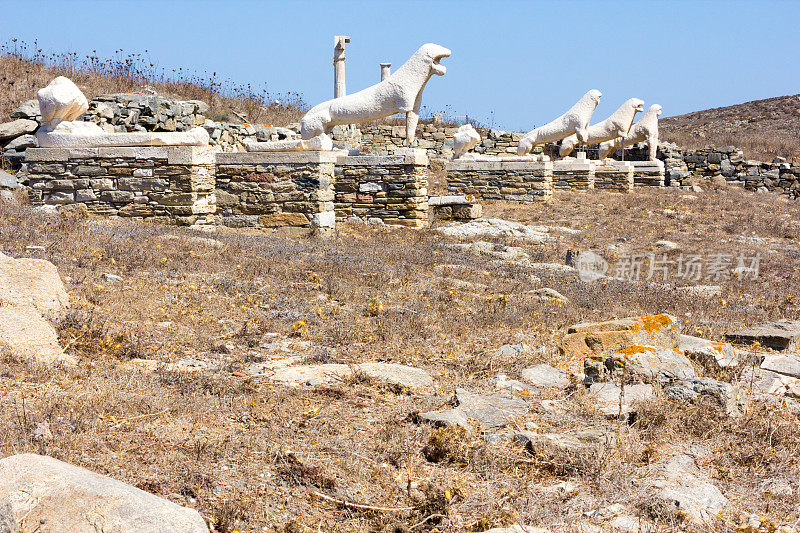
22, 74
762, 128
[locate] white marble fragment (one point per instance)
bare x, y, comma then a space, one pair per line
464, 140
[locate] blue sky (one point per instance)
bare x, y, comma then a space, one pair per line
516, 64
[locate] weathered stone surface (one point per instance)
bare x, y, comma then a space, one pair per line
490, 249
8, 524
283, 219
786, 364
287, 371
22, 142
647, 363
496, 227
681, 486
778, 335
564, 442
607, 395
15, 128
548, 294
766, 382
606, 337
516, 528
406, 376
31, 290
32, 283
7, 181
493, 410
729, 397
64, 497
28, 109
545, 376
708, 353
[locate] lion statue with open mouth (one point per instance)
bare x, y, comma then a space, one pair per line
401, 92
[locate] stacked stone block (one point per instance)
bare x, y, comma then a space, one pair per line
648, 173
573, 175
513, 181
390, 188
614, 177
274, 189
166, 184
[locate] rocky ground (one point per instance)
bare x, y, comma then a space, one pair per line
457, 378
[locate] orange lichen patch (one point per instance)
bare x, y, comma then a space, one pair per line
655, 322
717, 347
631, 350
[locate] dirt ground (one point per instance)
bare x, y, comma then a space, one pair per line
254, 455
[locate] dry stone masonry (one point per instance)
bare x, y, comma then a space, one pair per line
513, 180
272, 189
390, 188
172, 184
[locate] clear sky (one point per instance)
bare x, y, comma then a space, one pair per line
516, 64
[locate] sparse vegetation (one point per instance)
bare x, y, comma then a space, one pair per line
763, 129
349, 455
26, 68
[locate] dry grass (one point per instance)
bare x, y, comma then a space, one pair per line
763, 129
24, 69
252, 454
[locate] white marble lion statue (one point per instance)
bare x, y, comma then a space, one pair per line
644, 130
617, 125
401, 92
464, 139
576, 121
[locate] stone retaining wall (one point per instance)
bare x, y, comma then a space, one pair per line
273, 189
614, 177
169, 184
390, 188
573, 175
513, 181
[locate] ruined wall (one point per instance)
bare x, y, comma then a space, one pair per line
513, 181
172, 185
390, 188
275, 189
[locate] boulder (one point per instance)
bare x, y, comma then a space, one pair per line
32, 283
61, 100
545, 376
23, 142
728, 397
44, 490
708, 353
28, 109
493, 410
606, 397
8, 181
788, 365
766, 382
645, 363
778, 335
605, 337
15, 128
31, 291
679, 485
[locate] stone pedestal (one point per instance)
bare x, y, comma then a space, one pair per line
276, 189
648, 173
170, 184
390, 188
513, 179
573, 175
613, 175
